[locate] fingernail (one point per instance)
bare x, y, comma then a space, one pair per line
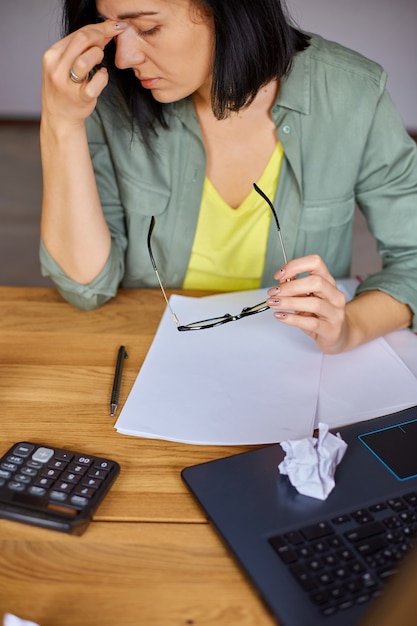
120, 26
280, 316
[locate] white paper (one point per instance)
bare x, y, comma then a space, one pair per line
12, 620
404, 342
256, 381
367, 382
251, 381
375, 379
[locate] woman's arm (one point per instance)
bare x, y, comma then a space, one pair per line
73, 228
386, 192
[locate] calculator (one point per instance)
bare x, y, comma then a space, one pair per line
52, 487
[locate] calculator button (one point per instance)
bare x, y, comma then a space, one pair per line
77, 469
11, 467
35, 464
86, 492
64, 455
58, 496
83, 460
23, 449
69, 477
2, 481
63, 486
4, 474
44, 482
57, 464
91, 482
34, 490
98, 473
15, 459
13, 485
42, 455
51, 473
22, 479
104, 465
28, 471
79, 501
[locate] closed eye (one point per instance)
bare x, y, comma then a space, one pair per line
147, 33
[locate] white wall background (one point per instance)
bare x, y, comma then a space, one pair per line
384, 30
27, 28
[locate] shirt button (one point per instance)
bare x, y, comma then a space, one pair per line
286, 129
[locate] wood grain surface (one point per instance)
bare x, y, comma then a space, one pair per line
149, 557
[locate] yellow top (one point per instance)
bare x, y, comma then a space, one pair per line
228, 252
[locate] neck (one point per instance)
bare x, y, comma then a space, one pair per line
262, 103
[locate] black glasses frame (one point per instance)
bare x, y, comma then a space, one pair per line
227, 317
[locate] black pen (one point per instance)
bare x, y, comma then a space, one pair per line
114, 400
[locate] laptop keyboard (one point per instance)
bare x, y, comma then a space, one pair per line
346, 560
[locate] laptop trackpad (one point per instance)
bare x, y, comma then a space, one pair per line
395, 447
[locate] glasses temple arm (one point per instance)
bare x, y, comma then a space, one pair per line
151, 227
274, 213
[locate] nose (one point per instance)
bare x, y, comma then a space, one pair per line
128, 50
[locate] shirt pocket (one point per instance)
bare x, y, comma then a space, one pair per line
326, 228
141, 198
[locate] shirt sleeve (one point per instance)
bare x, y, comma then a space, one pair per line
386, 193
89, 296
105, 285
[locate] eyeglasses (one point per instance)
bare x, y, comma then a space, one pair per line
227, 317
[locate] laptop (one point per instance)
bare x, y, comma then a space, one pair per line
321, 563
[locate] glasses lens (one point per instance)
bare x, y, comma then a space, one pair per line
217, 321
210, 323
251, 310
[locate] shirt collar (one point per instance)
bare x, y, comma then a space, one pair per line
295, 88
294, 92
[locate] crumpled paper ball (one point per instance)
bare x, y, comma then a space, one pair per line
310, 463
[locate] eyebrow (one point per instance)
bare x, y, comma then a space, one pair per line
132, 16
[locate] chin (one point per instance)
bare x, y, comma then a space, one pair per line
167, 97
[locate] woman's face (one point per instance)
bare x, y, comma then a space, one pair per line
169, 45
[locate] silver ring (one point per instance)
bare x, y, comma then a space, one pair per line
75, 78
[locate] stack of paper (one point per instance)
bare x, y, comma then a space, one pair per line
255, 380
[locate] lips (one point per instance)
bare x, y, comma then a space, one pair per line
148, 83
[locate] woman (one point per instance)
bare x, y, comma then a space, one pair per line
173, 109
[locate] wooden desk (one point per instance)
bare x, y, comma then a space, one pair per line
149, 557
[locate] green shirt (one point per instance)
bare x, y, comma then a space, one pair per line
344, 143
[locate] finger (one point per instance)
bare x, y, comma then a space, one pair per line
310, 307
311, 326
311, 264
63, 56
94, 87
307, 286
85, 49
84, 65
90, 35
316, 297
329, 338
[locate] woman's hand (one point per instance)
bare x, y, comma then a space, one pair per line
312, 303
64, 100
